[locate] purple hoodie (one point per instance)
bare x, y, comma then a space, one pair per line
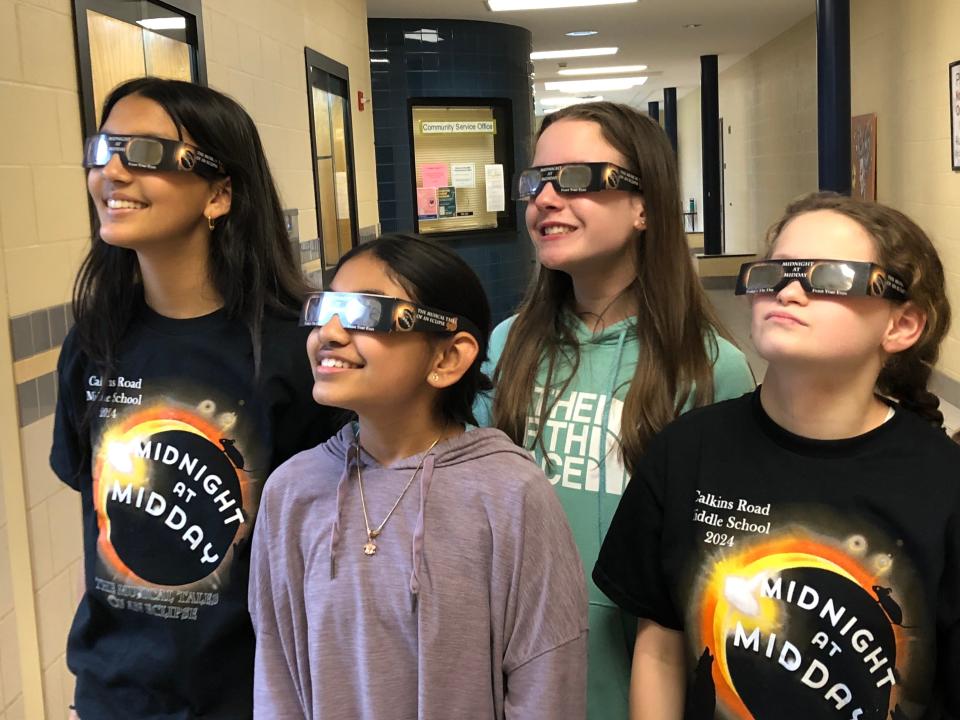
474, 605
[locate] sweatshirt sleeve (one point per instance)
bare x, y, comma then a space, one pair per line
276, 692
545, 659
552, 685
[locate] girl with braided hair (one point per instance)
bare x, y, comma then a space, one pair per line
795, 553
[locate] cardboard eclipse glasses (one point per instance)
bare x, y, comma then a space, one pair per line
380, 313
144, 152
576, 178
844, 278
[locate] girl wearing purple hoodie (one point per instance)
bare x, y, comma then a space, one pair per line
413, 566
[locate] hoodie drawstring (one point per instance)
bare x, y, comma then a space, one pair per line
611, 388
416, 556
352, 453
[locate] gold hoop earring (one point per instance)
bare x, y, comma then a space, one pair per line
210, 223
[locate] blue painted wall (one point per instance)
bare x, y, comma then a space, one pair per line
467, 60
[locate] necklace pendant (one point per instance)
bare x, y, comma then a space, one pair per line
370, 548
374, 534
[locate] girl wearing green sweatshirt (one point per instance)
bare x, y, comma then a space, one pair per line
614, 339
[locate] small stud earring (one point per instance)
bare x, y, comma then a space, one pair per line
435, 377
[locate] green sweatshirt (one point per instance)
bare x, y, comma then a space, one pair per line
590, 481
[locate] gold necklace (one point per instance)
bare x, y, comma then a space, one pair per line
370, 547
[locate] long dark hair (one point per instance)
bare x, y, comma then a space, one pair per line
251, 262
902, 246
674, 316
435, 276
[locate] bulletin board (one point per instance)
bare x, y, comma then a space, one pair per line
462, 165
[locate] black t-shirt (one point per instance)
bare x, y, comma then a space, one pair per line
179, 450
812, 579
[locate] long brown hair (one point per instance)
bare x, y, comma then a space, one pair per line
907, 250
674, 317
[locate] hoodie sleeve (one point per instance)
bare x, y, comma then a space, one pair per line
276, 691
545, 659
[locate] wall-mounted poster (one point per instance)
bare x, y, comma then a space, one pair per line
495, 194
863, 150
427, 203
446, 202
464, 175
955, 113
434, 174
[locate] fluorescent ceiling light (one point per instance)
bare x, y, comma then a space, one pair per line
598, 85
581, 33
509, 5
167, 23
424, 35
565, 101
582, 52
604, 70
379, 60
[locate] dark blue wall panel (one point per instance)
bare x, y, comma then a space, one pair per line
462, 59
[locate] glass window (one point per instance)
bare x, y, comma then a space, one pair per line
118, 40
334, 180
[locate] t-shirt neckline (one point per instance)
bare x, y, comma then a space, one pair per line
843, 447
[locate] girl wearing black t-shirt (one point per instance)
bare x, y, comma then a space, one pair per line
182, 384
796, 553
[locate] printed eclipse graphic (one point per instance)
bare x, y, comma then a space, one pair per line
794, 627
168, 496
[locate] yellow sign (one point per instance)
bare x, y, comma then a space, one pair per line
434, 127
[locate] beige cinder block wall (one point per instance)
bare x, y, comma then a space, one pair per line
255, 53
44, 231
900, 50
768, 102
690, 153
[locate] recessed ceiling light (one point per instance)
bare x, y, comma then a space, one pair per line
509, 5
693, 26
598, 85
581, 33
615, 70
167, 23
424, 35
582, 52
565, 101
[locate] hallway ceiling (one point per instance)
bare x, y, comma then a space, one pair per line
649, 32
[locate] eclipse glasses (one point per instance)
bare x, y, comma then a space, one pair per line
144, 152
379, 313
844, 278
576, 178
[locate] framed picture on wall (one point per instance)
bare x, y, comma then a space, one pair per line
955, 114
863, 149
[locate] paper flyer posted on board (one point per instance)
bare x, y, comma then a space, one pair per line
434, 175
494, 182
463, 175
427, 203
